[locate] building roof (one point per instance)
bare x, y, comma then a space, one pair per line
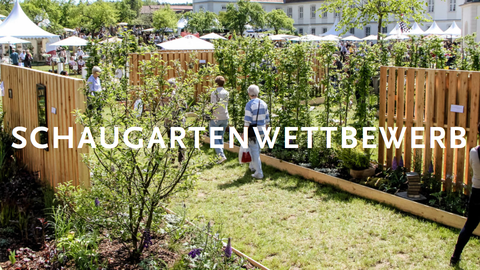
268, 1
152, 8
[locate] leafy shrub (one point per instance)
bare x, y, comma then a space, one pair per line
353, 158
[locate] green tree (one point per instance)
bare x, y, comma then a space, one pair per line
245, 12
99, 14
6, 6
201, 21
125, 11
278, 19
165, 18
358, 13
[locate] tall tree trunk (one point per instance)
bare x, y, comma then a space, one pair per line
380, 19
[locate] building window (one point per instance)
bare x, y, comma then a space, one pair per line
453, 4
431, 5
289, 12
313, 9
313, 31
224, 7
335, 15
324, 30
300, 31
325, 14
200, 8
352, 31
367, 31
384, 30
300, 12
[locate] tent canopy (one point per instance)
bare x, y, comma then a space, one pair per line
330, 38
307, 38
371, 37
433, 30
17, 24
12, 40
332, 30
189, 42
281, 37
182, 23
453, 30
111, 40
212, 36
415, 30
395, 31
351, 38
398, 37
71, 41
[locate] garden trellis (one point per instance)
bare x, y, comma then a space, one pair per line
415, 97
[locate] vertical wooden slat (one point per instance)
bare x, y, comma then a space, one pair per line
419, 110
448, 156
462, 122
474, 119
440, 119
390, 109
400, 108
409, 117
429, 115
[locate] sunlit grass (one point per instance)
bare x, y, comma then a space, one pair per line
286, 222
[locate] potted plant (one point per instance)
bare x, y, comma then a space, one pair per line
358, 161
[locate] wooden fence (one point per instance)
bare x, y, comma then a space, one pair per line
204, 56
414, 97
21, 104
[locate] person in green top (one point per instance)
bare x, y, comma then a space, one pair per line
14, 57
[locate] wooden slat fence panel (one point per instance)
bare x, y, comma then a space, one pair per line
59, 165
413, 97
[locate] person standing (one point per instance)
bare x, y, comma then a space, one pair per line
14, 58
94, 87
256, 113
473, 218
219, 98
80, 53
28, 59
22, 56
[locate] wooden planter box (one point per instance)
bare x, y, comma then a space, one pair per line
418, 209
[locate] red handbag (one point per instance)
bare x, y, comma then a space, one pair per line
246, 158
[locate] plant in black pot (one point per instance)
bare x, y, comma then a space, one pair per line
358, 162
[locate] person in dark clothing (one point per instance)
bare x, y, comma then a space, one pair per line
473, 217
28, 59
14, 57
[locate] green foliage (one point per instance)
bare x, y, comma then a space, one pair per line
201, 21
99, 14
355, 159
12, 258
278, 19
165, 18
133, 183
395, 179
455, 202
357, 13
245, 12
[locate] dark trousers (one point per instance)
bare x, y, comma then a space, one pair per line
473, 219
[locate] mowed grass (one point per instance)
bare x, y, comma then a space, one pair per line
286, 222
47, 68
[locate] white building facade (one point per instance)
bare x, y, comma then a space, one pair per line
309, 21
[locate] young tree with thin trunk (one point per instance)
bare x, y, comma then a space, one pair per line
278, 19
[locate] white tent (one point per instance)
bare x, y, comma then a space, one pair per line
149, 30
453, 30
12, 40
395, 31
71, 41
281, 37
370, 38
415, 30
332, 30
122, 24
433, 30
399, 37
68, 30
307, 38
330, 38
188, 42
182, 23
351, 38
17, 24
111, 40
211, 36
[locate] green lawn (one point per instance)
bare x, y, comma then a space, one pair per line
286, 222
47, 68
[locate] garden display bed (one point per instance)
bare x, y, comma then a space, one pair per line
418, 209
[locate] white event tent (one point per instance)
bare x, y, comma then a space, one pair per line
281, 37
188, 42
211, 36
351, 38
71, 41
18, 25
433, 30
415, 30
332, 30
453, 30
307, 38
370, 38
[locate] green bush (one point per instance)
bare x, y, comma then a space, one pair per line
355, 159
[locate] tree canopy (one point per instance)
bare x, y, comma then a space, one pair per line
278, 19
245, 12
201, 21
165, 18
358, 13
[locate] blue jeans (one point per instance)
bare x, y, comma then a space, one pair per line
256, 163
223, 124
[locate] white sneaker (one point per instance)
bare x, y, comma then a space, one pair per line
258, 176
222, 160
